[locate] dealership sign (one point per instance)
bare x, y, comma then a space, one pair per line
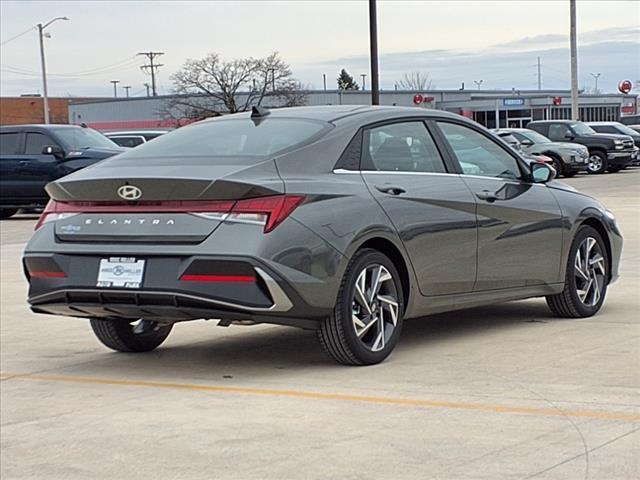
625, 86
418, 99
512, 102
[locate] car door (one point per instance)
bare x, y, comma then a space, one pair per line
10, 149
519, 223
432, 209
37, 169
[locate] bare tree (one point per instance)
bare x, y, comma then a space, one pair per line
416, 81
212, 86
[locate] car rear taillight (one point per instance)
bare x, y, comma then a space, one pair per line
269, 211
53, 211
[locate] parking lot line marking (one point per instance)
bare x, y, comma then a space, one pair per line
483, 407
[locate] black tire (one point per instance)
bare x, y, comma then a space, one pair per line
597, 162
570, 173
568, 304
123, 336
337, 333
557, 165
7, 212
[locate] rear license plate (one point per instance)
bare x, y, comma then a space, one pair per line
123, 272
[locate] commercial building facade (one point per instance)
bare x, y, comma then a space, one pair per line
30, 109
490, 108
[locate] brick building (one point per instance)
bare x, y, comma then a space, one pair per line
29, 109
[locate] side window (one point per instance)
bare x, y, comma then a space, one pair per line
558, 132
127, 141
402, 147
36, 142
605, 129
477, 154
9, 143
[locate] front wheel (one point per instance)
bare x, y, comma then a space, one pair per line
124, 336
597, 162
586, 279
367, 320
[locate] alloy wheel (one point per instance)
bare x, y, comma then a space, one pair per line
595, 163
374, 307
590, 272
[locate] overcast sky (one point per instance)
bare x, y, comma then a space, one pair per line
455, 41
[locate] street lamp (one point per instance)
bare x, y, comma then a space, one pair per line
478, 83
41, 35
596, 76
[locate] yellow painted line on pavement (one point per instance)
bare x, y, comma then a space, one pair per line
408, 402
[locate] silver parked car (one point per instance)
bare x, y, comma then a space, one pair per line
133, 138
568, 158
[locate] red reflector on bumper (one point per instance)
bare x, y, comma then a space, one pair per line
217, 278
43, 274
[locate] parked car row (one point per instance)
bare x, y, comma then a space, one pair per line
576, 146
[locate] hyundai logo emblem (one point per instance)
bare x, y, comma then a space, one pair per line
129, 192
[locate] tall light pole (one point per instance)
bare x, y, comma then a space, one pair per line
373, 44
363, 75
575, 111
126, 89
478, 83
45, 95
596, 76
115, 87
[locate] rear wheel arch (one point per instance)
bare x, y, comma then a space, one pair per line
391, 251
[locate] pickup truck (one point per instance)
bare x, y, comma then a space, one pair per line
33, 155
606, 151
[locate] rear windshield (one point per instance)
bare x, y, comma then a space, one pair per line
230, 138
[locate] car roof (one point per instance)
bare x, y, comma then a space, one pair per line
334, 113
41, 126
603, 123
554, 121
135, 132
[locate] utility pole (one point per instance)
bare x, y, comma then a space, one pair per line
363, 75
151, 68
478, 83
373, 44
45, 93
126, 90
596, 76
575, 110
146, 85
324, 81
115, 87
539, 74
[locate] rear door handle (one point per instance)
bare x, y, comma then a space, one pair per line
487, 196
390, 189
24, 162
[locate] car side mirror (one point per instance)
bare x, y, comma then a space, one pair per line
569, 136
542, 173
526, 143
54, 150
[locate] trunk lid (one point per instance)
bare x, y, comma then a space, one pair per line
160, 202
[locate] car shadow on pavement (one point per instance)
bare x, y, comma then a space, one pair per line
259, 352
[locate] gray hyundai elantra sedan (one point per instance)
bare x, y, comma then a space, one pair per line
346, 220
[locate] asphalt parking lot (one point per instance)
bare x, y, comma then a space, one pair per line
498, 392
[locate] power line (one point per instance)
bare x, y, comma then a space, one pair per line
16, 36
97, 71
151, 68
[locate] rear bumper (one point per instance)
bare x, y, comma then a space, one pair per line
163, 295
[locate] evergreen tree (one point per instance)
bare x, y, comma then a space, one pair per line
346, 81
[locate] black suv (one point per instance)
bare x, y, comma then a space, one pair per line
606, 151
33, 155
